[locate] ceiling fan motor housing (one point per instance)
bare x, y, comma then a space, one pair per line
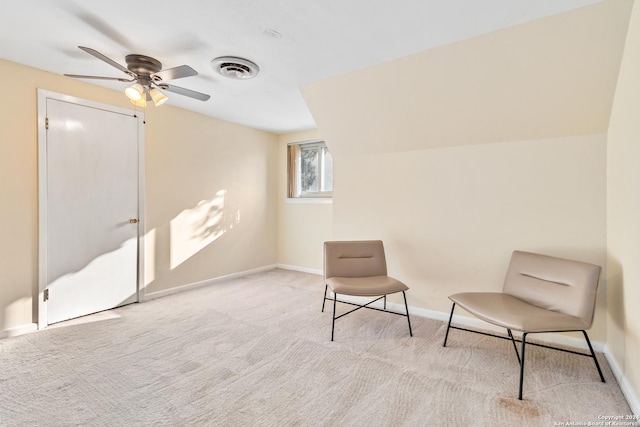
142, 65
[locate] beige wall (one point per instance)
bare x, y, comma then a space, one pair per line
458, 155
450, 217
623, 214
190, 158
211, 198
303, 226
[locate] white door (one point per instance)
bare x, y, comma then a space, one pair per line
92, 209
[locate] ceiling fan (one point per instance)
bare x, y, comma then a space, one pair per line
148, 76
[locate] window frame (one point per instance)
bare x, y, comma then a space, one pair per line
294, 170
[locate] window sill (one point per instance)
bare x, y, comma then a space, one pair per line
309, 200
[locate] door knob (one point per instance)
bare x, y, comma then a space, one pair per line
133, 221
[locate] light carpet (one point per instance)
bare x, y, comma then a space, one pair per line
256, 351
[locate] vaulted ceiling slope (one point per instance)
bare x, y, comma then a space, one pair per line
553, 77
294, 42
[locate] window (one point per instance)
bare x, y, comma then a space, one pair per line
310, 170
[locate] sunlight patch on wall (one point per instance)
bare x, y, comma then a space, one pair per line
150, 256
194, 229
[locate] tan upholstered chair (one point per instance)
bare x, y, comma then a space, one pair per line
540, 294
359, 268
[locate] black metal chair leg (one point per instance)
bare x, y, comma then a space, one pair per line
514, 344
384, 305
367, 305
453, 307
524, 339
324, 299
593, 355
333, 322
406, 307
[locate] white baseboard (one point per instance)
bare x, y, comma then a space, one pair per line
302, 269
623, 382
18, 330
164, 293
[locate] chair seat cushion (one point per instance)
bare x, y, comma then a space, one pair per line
512, 313
365, 286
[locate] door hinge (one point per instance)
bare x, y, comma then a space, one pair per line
46, 123
46, 295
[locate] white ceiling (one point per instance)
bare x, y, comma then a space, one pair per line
293, 41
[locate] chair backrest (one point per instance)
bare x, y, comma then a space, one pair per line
556, 284
359, 258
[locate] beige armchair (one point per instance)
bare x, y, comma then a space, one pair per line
359, 268
540, 294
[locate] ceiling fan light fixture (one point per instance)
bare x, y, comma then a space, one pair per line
158, 97
135, 92
142, 102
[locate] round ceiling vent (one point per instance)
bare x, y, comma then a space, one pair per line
235, 68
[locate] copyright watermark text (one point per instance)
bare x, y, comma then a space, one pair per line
604, 421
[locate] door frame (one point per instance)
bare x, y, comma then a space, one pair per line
43, 96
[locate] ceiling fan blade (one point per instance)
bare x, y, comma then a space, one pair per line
105, 59
80, 76
186, 92
175, 73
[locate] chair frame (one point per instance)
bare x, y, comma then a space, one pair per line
523, 341
359, 306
